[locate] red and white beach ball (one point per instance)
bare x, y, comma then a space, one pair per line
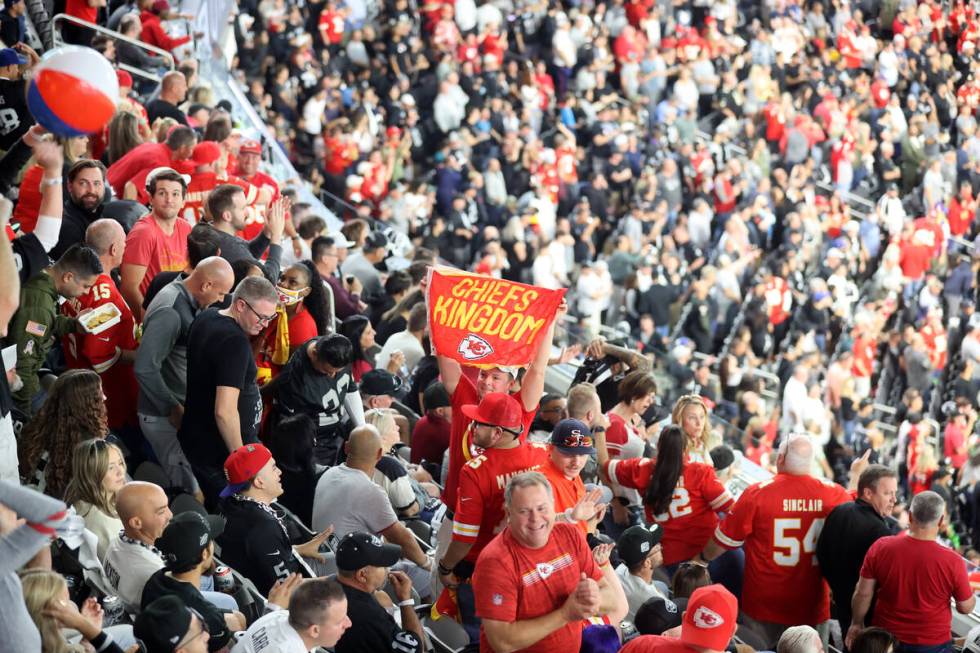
74, 91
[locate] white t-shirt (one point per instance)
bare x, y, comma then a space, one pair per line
128, 567
272, 633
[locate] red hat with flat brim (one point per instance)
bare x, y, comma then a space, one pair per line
497, 409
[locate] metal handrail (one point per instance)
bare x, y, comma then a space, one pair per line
116, 36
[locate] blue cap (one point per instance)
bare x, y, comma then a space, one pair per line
573, 437
10, 57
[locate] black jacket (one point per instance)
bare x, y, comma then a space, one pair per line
74, 223
850, 530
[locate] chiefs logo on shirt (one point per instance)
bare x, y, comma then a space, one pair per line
473, 347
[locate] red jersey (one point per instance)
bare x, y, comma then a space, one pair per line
101, 352
778, 522
255, 218
915, 580
461, 448
202, 183
914, 258
147, 245
692, 515
864, 350
480, 502
331, 26
28, 207
779, 299
517, 583
143, 157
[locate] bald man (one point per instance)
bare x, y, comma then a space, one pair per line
347, 498
777, 522
173, 90
131, 558
161, 362
110, 348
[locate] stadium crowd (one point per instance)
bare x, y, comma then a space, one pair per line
751, 425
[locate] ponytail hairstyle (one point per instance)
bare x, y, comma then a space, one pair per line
666, 470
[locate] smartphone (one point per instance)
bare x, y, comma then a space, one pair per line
350, 279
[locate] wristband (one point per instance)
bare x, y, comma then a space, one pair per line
568, 516
443, 570
53, 181
406, 603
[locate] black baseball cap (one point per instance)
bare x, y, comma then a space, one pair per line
722, 457
359, 550
185, 537
162, 624
657, 615
573, 437
636, 543
380, 382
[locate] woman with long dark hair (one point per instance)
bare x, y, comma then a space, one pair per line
683, 497
73, 411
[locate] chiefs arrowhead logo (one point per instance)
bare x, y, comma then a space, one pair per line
473, 347
706, 618
545, 570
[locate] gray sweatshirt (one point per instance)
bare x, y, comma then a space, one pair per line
43, 514
161, 360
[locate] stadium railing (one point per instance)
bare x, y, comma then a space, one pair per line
152, 75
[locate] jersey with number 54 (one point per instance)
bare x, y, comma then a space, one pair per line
777, 522
692, 515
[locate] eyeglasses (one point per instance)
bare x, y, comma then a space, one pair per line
261, 318
496, 426
576, 440
204, 629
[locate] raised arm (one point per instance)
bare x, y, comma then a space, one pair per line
532, 385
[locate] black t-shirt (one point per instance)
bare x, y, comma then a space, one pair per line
15, 118
162, 109
160, 585
303, 390
218, 354
29, 256
372, 629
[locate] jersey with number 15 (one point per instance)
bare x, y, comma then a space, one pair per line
691, 517
777, 522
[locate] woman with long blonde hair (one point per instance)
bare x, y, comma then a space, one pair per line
98, 473
691, 414
47, 601
73, 411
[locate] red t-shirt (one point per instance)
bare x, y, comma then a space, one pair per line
648, 643
914, 259
953, 440
101, 352
514, 583
145, 156
149, 246
915, 580
961, 214
778, 521
460, 448
331, 26
692, 516
480, 498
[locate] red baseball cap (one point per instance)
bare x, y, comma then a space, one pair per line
206, 152
497, 409
160, 6
394, 131
124, 79
242, 466
250, 146
709, 620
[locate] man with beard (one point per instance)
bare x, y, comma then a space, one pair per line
158, 241
83, 206
227, 206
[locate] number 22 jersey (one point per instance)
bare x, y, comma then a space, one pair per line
777, 522
691, 517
